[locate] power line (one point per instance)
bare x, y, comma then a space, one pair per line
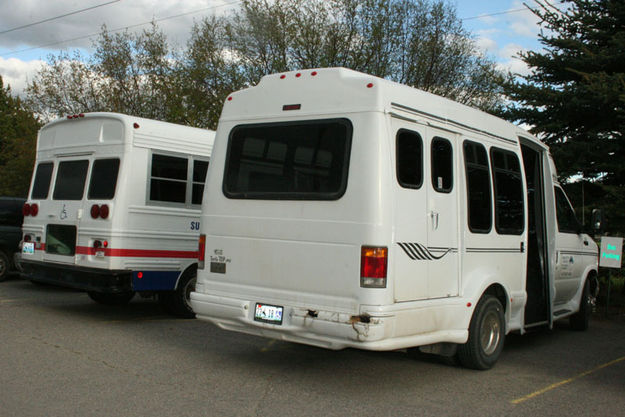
57, 17
123, 28
495, 14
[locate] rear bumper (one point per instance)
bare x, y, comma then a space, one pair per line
327, 329
82, 278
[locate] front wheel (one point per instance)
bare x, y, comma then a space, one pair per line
486, 335
178, 302
109, 299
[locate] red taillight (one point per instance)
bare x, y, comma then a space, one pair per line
104, 211
34, 210
26, 209
97, 244
27, 238
201, 252
373, 265
95, 211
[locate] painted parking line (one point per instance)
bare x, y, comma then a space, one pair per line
566, 381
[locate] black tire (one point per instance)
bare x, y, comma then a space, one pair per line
486, 335
117, 299
580, 320
178, 302
5, 266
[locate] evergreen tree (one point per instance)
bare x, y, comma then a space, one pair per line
575, 95
18, 136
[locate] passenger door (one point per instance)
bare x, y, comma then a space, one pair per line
426, 213
411, 222
442, 213
570, 246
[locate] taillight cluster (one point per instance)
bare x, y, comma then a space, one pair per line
30, 209
201, 252
100, 244
100, 211
373, 266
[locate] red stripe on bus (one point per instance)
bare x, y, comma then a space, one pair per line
137, 253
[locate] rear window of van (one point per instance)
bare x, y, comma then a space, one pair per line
304, 160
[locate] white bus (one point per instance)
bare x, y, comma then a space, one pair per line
349, 211
114, 208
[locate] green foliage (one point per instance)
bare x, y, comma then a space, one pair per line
574, 98
416, 42
18, 135
420, 43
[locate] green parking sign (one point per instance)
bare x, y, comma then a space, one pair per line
611, 252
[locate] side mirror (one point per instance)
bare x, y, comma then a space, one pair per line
598, 221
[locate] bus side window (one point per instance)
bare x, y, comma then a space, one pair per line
442, 165
199, 178
409, 156
168, 180
478, 187
509, 208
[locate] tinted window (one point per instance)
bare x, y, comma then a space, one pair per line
567, 222
409, 156
41, 186
70, 180
442, 165
478, 187
199, 177
11, 212
103, 179
509, 216
169, 179
306, 160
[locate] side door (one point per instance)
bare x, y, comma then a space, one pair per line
410, 211
442, 214
570, 246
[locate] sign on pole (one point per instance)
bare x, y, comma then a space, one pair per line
611, 252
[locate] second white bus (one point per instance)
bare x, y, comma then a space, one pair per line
114, 208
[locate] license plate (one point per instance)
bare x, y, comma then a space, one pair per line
28, 248
268, 313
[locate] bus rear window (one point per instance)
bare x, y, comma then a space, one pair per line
103, 179
305, 160
70, 180
41, 185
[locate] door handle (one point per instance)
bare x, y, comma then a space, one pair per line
434, 216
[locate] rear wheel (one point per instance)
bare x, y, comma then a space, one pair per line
581, 319
109, 299
5, 265
486, 335
178, 302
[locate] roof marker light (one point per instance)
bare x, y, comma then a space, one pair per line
135, 125
313, 73
230, 98
369, 85
282, 77
299, 74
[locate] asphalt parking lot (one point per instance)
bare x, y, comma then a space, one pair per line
63, 355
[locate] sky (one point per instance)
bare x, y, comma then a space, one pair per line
31, 30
